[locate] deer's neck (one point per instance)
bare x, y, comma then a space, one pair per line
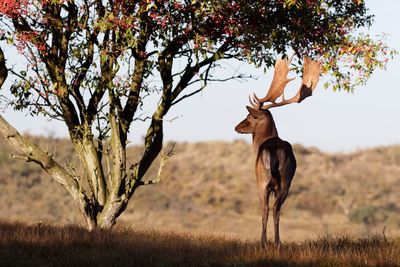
262, 133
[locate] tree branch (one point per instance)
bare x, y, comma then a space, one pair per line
164, 160
3, 68
118, 148
191, 71
33, 153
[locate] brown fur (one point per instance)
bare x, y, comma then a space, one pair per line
275, 165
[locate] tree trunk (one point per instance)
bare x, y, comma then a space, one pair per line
111, 212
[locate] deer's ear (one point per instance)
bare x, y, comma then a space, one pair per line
256, 113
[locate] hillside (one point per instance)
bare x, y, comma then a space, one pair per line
210, 187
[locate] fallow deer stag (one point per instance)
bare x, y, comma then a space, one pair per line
275, 162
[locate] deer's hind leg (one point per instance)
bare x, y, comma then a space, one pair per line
264, 194
280, 199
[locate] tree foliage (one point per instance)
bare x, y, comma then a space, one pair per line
90, 63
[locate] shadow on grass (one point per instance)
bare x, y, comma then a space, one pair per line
44, 245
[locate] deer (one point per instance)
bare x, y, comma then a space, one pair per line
275, 163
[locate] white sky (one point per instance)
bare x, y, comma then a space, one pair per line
327, 120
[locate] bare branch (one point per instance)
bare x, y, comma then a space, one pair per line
189, 95
164, 159
27, 159
191, 71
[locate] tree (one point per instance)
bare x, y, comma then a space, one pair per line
90, 64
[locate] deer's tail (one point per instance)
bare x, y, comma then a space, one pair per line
274, 162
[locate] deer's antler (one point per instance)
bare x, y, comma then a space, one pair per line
254, 102
279, 81
311, 72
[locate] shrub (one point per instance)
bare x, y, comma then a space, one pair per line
368, 215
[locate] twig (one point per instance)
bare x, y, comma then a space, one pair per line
27, 159
189, 95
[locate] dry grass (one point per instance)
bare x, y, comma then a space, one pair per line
45, 245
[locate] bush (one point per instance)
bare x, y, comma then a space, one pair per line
368, 215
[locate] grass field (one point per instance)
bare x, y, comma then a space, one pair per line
45, 245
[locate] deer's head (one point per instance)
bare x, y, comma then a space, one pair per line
256, 120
